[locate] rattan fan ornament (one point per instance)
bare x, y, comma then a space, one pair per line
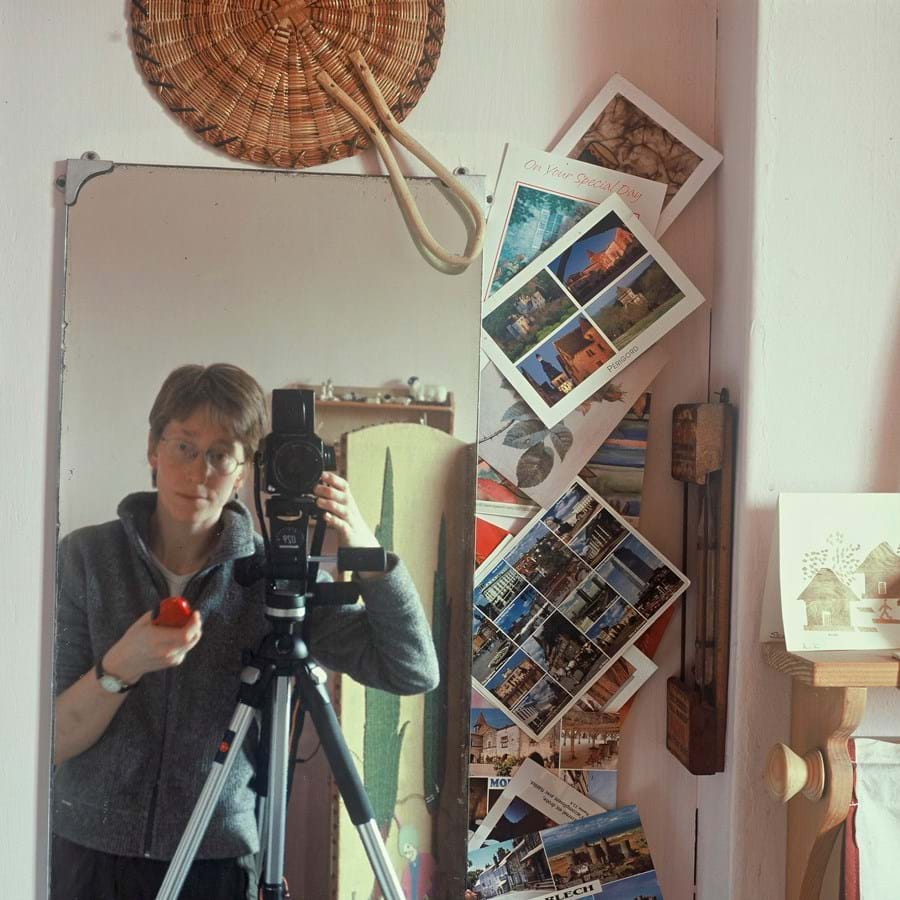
302, 82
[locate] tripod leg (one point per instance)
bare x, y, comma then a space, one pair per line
311, 682
206, 803
275, 806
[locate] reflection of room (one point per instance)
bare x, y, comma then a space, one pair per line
762, 233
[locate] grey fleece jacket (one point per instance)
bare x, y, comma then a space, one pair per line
133, 791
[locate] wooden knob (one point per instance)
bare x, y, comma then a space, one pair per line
787, 773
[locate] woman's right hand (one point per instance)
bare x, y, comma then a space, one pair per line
146, 647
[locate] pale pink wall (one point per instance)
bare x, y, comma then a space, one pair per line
809, 119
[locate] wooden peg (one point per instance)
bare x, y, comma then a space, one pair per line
787, 773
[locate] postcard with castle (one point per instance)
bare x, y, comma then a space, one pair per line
601, 856
625, 130
558, 605
571, 320
540, 196
834, 573
608, 431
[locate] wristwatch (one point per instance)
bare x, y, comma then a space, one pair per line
110, 682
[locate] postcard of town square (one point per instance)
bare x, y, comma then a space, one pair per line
605, 855
570, 321
834, 573
625, 130
560, 604
540, 196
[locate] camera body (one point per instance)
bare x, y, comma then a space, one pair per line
294, 456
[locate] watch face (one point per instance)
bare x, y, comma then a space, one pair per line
111, 683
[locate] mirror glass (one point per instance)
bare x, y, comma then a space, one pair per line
299, 279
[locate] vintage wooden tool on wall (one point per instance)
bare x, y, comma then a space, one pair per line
703, 439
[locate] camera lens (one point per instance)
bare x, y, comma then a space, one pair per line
297, 467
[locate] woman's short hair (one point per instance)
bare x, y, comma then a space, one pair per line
234, 399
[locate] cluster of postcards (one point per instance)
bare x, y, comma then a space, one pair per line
569, 598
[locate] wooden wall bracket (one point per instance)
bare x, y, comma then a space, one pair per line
814, 775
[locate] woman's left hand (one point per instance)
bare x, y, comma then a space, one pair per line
341, 512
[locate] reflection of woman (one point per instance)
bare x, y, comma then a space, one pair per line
140, 707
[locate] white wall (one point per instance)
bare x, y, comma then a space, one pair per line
510, 70
809, 209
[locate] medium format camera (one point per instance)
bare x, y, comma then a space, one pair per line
294, 456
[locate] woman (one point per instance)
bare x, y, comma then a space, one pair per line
141, 708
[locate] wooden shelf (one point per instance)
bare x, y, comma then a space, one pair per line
361, 404
835, 668
828, 699
335, 418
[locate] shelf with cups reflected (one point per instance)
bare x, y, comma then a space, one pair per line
814, 774
336, 417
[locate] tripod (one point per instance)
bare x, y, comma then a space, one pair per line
281, 660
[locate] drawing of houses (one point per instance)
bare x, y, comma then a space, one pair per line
827, 601
881, 569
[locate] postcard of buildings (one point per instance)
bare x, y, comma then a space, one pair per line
605, 854
560, 603
534, 799
540, 196
588, 739
497, 748
625, 130
591, 304
541, 461
834, 573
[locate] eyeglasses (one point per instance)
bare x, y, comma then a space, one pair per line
183, 453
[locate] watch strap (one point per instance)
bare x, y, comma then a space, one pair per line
101, 674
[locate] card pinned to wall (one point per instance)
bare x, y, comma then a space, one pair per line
833, 581
570, 321
606, 855
540, 196
535, 798
625, 130
542, 461
560, 604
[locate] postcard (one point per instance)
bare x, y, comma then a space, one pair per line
540, 196
619, 683
488, 536
555, 609
570, 321
834, 573
590, 740
542, 461
598, 784
625, 130
533, 800
605, 855
496, 495
497, 748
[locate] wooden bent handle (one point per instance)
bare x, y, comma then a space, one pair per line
445, 261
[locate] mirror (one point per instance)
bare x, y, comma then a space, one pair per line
297, 278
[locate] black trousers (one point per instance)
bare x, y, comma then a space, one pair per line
78, 873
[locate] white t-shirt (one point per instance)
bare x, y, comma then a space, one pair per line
176, 583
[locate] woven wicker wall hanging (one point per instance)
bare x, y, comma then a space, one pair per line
301, 82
